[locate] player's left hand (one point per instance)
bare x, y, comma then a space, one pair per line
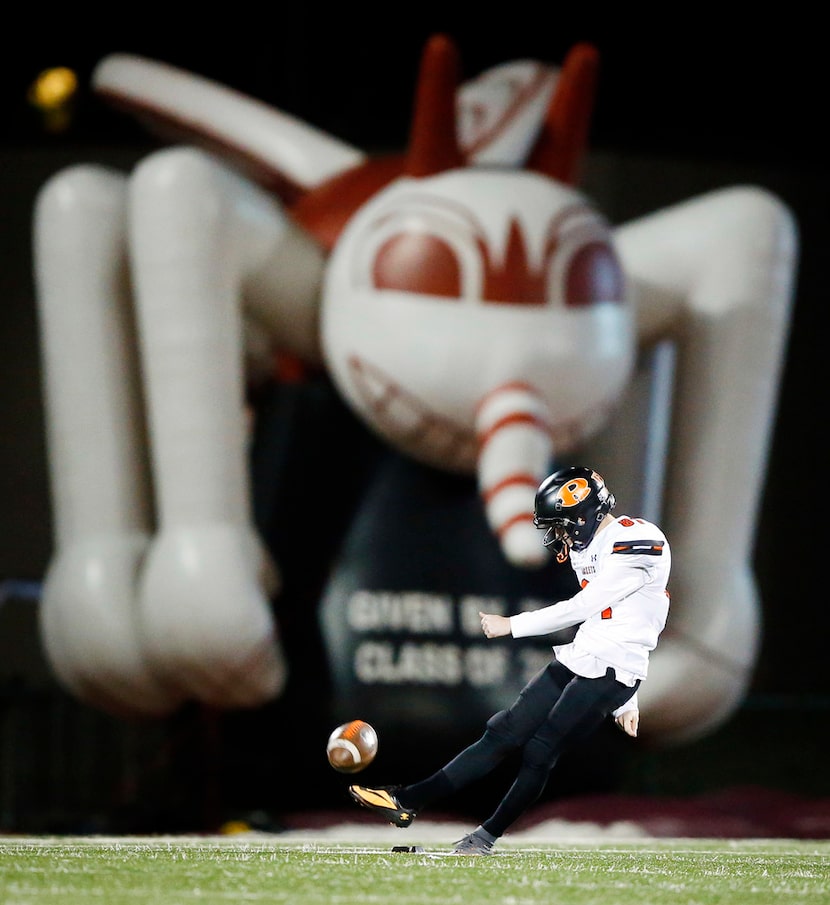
494, 626
629, 722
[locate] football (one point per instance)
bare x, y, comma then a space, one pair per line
352, 746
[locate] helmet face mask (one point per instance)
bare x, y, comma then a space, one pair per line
556, 533
570, 504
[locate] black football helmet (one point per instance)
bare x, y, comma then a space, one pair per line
571, 503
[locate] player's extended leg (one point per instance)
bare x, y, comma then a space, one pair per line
580, 710
506, 731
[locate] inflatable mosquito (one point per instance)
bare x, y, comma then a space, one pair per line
472, 306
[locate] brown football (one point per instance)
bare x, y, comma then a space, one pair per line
352, 746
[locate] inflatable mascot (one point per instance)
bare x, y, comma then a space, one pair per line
472, 307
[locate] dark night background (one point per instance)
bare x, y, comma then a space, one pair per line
683, 106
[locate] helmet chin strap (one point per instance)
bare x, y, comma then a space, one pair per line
558, 541
561, 550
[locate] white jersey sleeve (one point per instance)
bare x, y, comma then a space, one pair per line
617, 581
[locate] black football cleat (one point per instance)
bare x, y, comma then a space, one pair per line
383, 801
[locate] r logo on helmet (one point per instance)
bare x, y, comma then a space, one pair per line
574, 492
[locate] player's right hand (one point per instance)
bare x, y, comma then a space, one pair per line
493, 625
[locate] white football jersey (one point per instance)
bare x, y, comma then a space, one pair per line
622, 607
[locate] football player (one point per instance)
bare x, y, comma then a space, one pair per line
623, 567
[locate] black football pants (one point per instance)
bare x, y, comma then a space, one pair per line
554, 710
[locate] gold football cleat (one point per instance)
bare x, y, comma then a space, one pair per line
383, 801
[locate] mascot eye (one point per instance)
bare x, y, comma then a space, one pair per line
423, 247
417, 262
593, 275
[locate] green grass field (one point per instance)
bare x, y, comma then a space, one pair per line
253, 868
